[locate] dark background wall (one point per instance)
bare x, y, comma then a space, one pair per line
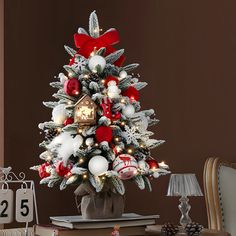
187, 53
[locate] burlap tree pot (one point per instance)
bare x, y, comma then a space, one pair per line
99, 205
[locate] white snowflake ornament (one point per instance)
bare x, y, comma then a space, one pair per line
79, 64
131, 135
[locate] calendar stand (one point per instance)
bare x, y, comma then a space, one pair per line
8, 177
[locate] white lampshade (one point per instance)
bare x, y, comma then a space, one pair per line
184, 185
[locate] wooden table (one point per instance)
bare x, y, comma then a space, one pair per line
156, 230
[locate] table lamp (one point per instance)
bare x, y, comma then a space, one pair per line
184, 185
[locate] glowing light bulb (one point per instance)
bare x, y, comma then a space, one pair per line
85, 176
72, 178
80, 131
122, 100
59, 130
129, 150
70, 74
117, 139
81, 160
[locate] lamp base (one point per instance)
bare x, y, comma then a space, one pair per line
184, 208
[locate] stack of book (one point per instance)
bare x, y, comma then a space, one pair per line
130, 224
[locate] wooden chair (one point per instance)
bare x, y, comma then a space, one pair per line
220, 194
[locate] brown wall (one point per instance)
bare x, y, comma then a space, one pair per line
187, 52
1, 81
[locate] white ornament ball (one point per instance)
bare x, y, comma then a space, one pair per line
98, 165
143, 165
123, 74
89, 142
126, 166
128, 110
59, 114
95, 61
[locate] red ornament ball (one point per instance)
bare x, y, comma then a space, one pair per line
61, 169
42, 170
132, 93
68, 121
72, 87
153, 164
104, 133
110, 78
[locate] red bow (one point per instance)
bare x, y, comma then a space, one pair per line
86, 44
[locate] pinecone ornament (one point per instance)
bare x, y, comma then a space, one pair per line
169, 229
193, 229
50, 134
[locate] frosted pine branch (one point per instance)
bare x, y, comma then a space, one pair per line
82, 31
130, 67
70, 50
118, 184
70, 70
147, 183
140, 85
64, 96
96, 182
111, 58
57, 85
153, 143
139, 181
50, 104
94, 25
101, 51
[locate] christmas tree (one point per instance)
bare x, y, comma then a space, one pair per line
98, 132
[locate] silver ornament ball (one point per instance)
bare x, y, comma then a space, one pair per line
128, 110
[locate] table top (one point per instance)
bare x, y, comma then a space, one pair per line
156, 230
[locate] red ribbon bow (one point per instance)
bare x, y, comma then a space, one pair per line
86, 44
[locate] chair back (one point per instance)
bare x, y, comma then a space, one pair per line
220, 194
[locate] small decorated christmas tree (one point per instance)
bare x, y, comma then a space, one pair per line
98, 134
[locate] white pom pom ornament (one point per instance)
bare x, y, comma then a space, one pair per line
98, 165
128, 110
123, 74
59, 114
113, 91
126, 166
95, 61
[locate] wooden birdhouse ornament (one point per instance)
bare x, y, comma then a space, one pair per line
85, 111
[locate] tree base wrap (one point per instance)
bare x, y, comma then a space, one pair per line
103, 205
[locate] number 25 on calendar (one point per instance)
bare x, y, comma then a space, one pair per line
23, 208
